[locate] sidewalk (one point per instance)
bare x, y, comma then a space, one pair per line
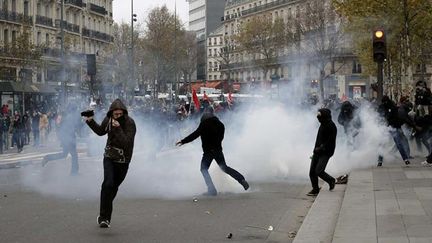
392, 203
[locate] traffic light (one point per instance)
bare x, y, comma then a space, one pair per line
379, 46
91, 64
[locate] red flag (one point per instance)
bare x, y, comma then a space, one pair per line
196, 100
230, 98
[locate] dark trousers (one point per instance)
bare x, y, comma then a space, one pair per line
18, 138
317, 169
114, 174
35, 137
220, 160
1, 142
67, 149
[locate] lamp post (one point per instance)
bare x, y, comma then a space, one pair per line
63, 71
133, 19
21, 75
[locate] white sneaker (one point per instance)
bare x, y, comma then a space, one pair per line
425, 163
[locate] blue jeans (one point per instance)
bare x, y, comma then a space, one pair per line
401, 142
207, 159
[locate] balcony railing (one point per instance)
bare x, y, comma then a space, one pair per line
98, 9
15, 17
51, 52
97, 35
77, 3
72, 27
42, 20
67, 26
265, 6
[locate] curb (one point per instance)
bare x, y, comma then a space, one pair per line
320, 222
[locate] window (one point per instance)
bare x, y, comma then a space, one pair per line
356, 67
210, 77
47, 39
6, 36
14, 6
38, 40
14, 33
47, 11
39, 9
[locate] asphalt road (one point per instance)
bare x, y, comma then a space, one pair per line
38, 206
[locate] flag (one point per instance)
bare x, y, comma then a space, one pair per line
196, 100
230, 98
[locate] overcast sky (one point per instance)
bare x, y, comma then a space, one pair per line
122, 9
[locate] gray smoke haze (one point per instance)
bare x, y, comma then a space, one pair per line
268, 141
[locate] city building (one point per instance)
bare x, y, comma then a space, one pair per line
214, 54
87, 29
204, 18
343, 73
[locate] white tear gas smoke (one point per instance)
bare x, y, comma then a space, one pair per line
266, 141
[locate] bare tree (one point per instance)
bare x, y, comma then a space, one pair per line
262, 38
318, 36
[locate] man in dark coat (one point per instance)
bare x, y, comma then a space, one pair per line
121, 130
325, 145
390, 113
212, 130
35, 127
67, 131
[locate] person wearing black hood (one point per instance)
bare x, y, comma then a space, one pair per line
350, 121
121, 130
390, 112
212, 130
325, 145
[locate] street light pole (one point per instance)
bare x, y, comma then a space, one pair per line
133, 19
63, 72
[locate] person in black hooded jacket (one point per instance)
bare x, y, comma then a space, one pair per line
212, 130
121, 130
324, 148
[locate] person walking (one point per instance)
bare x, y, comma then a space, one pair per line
121, 130
211, 130
35, 127
43, 128
18, 132
67, 135
324, 148
390, 112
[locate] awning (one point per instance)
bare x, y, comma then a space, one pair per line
42, 88
19, 87
214, 84
197, 86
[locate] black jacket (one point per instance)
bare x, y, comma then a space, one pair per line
120, 137
403, 113
325, 143
389, 111
211, 130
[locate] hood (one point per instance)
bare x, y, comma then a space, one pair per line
325, 115
117, 105
347, 107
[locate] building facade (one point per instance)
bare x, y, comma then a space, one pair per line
204, 18
290, 64
214, 54
87, 29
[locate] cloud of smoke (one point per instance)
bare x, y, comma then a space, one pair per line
266, 141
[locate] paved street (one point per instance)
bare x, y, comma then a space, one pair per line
45, 204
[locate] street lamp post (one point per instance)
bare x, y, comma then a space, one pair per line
133, 19
63, 72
